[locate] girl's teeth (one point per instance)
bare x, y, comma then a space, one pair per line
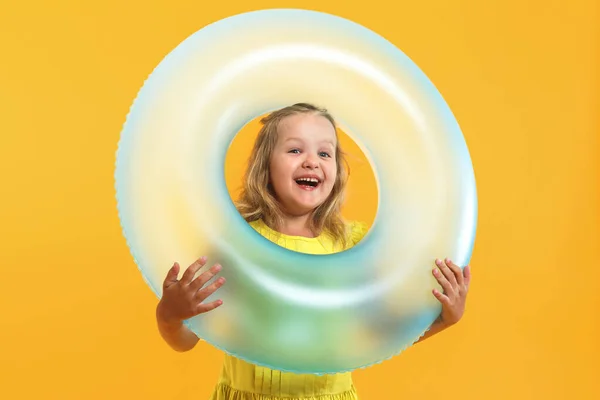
307, 182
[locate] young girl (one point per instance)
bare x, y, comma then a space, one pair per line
293, 193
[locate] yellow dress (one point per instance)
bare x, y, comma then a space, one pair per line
240, 380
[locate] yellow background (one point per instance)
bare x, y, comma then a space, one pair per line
76, 318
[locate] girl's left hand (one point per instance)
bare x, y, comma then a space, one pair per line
456, 286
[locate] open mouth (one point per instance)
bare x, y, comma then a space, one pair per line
308, 183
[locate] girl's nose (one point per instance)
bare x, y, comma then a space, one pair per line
310, 162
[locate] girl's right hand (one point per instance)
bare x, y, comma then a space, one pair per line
183, 299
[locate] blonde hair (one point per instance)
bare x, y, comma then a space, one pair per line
257, 199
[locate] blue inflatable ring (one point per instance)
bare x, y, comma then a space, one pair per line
282, 309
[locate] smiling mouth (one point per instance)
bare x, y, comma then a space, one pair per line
308, 183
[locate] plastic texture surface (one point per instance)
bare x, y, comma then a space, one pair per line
282, 309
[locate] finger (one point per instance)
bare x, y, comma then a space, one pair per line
210, 289
202, 308
467, 273
447, 286
189, 273
445, 300
447, 272
458, 274
205, 277
171, 277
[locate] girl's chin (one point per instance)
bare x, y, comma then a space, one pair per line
301, 208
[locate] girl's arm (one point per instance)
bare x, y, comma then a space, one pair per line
436, 328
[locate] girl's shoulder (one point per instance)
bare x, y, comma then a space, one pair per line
257, 224
356, 231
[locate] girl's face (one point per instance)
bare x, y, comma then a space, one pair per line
303, 166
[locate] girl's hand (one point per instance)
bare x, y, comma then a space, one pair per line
456, 286
183, 299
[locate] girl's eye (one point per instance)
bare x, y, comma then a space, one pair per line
324, 154
295, 151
